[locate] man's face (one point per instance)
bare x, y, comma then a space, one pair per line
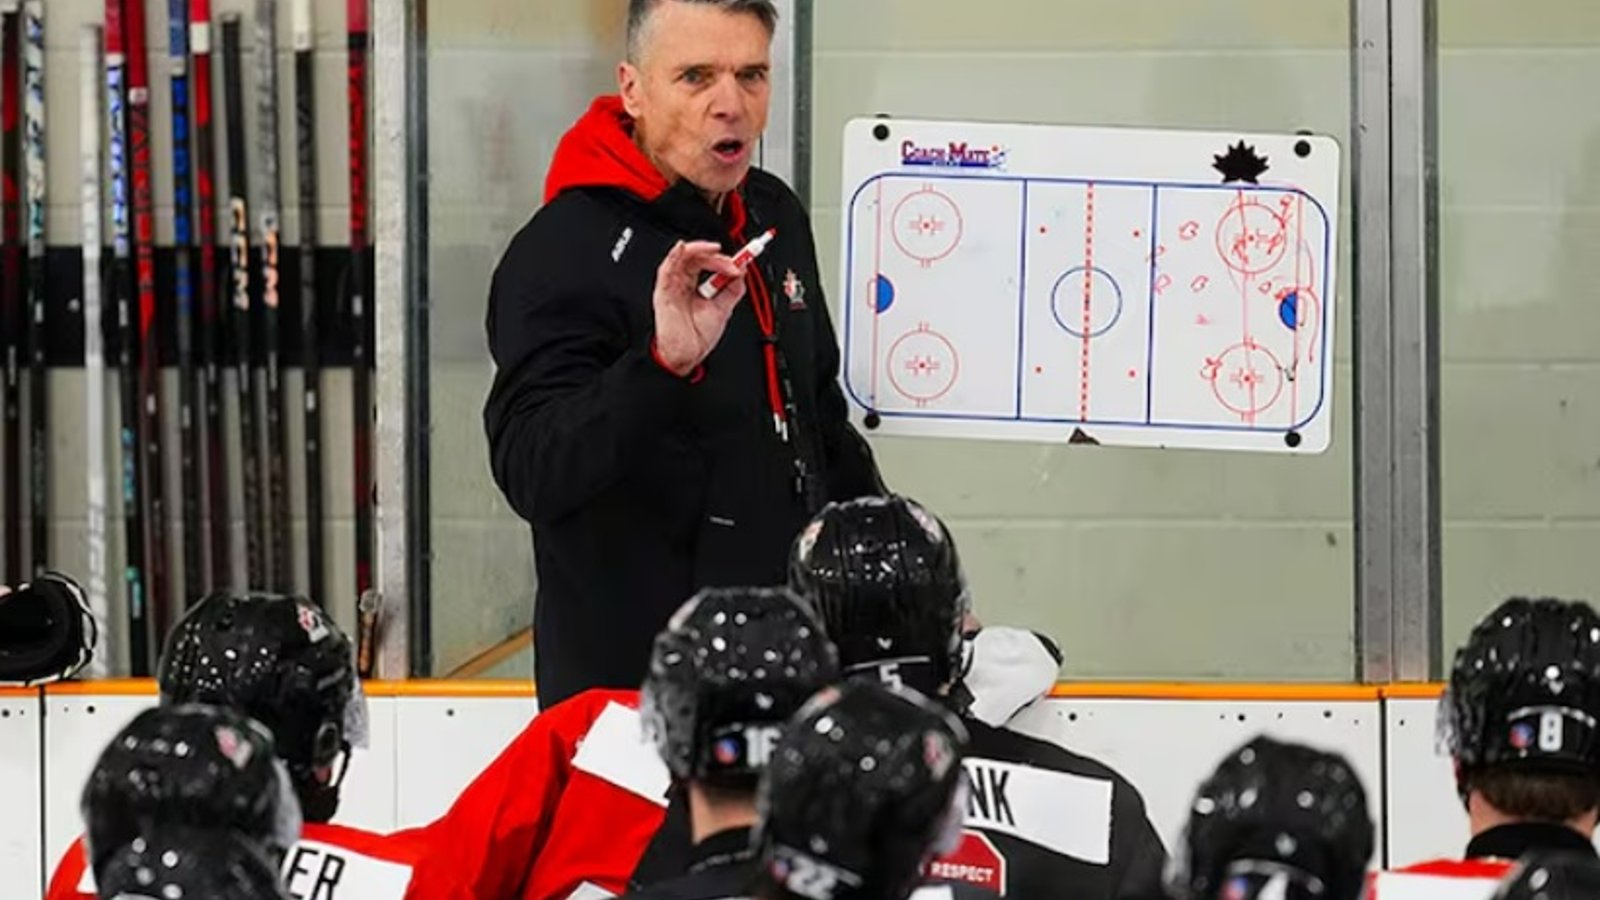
699, 91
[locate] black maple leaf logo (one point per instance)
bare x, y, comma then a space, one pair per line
1240, 163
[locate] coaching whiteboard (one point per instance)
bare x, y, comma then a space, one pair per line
1103, 285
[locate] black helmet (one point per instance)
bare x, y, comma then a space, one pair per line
865, 788
731, 667
47, 632
1525, 689
1552, 876
189, 863
201, 766
282, 661
884, 575
1276, 814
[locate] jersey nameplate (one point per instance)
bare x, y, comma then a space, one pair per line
615, 750
317, 871
1417, 886
1061, 812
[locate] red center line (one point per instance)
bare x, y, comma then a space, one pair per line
877, 276
1244, 297
1088, 292
1299, 310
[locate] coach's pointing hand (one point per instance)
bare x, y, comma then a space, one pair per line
689, 326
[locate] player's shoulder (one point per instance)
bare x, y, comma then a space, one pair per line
591, 704
713, 884
562, 237
1457, 868
1005, 745
70, 878
402, 847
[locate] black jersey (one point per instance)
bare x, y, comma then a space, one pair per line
1043, 821
723, 867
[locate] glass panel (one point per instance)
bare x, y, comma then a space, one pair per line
1519, 197
1143, 563
505, 80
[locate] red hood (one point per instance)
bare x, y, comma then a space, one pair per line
598, 151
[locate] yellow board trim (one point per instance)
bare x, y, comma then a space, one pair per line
1074, 690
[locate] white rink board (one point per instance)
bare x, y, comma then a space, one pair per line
20, 827
1032, 282
1426, 816
1166, 747
432, 766
425, 749
76, 728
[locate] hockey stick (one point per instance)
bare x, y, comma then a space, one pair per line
211, 333
280, 571
239, 266
94, 361
361, 373
39, 310
306, 164
133, 487
12, 312
189, 449
153, 462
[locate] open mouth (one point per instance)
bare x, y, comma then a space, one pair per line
729, 150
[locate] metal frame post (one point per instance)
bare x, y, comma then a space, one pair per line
1398, 609
399, 151
1413, 265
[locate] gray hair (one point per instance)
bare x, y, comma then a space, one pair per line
639, 16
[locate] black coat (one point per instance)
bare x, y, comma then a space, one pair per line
641, 486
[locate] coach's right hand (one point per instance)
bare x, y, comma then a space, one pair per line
689, 326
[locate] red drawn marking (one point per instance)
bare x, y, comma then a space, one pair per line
1266, 286
1088, 288
1043, 230
1136, 233
1189, 230
1199, 283
1162, 283
1160, 251
1038, 370
1301, 307
1244, 297
1241, 375
1251, 238
1202, 320
1133, 373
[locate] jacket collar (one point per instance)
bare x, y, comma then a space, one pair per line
1517, 839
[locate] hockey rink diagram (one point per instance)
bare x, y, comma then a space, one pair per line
1150, 304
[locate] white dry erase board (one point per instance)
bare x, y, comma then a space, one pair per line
1117, 286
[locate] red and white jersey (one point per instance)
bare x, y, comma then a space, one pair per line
564, 812
1441, 879
331, 862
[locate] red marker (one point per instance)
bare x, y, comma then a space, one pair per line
718, 281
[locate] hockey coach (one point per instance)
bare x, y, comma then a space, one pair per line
656, 439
